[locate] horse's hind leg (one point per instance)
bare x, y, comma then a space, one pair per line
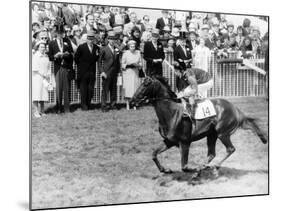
162, 148
229, 148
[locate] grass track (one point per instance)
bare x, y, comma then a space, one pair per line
95, 158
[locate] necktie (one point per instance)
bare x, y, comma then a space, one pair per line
61, 45
184, 50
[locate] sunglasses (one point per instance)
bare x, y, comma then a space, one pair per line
44, 38
146, 19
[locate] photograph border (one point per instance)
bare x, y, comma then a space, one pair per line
134, 203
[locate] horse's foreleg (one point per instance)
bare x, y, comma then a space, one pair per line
184, 150
211, 143
162, 148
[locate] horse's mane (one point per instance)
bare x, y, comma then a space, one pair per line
164, 82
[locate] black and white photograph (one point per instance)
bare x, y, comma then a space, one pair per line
134, 105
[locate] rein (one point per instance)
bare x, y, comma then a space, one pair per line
162, 98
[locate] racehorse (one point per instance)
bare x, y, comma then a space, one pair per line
178, 131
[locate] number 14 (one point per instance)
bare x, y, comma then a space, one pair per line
206, 111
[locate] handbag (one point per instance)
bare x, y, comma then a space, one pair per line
48, 85
71, 74
141, 73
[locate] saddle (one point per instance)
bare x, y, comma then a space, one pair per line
204, 108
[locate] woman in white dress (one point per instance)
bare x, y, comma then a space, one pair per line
41, 75
131, 63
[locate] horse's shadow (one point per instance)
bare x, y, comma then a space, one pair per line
206, 175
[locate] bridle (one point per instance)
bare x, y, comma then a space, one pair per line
157, 98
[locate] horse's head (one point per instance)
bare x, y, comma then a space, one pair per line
152, 87
145, 91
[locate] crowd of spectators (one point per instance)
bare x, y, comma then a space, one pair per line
198, 34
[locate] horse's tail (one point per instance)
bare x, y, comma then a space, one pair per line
250, 123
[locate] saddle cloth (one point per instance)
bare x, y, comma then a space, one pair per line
204, 109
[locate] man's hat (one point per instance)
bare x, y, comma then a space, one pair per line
178, 24
46, 19
118, 30
182, 37
230, 24
108, 28
91, 34
35, 24
205, 26
192, 31
155, 33
112, 35
215, 22
36, 33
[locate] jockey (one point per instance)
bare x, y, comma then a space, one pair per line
199, 82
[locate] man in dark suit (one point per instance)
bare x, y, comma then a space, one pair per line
154, 55
60, 52
192, 41
109, 65
163, 21
92, 23
182, 59
86, 58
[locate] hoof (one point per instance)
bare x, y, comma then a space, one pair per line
196, 176
186, 170
166, 171
215, 172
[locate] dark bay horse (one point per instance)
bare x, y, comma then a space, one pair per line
178, 131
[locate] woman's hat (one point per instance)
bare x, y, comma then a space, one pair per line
166, 29
256, 28
132, 42
36, 46
175, 32
76, 28
108, 28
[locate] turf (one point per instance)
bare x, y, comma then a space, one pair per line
94, 158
